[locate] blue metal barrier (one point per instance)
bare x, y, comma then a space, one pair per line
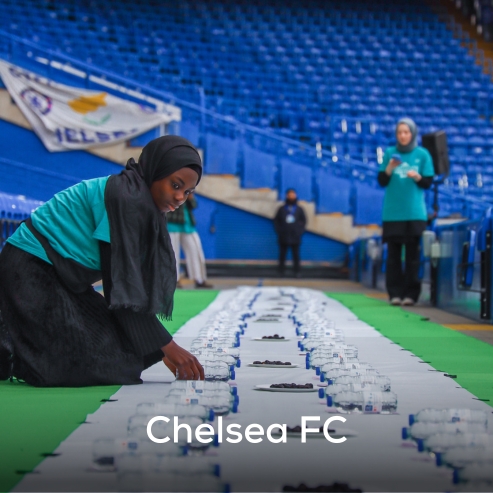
459, 279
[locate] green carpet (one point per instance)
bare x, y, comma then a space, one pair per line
34, 421
446, 350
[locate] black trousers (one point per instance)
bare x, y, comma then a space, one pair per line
58, 338
283, 251
403, 282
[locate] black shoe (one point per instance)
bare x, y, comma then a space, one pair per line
203, 285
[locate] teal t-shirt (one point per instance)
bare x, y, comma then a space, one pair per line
73, 221
404, 200
187, 227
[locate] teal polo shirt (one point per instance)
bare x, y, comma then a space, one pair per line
187, 227
404, 200
73, 222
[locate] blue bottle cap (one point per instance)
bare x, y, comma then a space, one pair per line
235, 408
227, 488
234, 390
321, 393
322, 376
231, 367
299, 344
329, 401
237, 399
456, 477
421, 445
411, 419
404, 433
238, 363
211, 415
307, 365
317, 371
438, 459
215, 442
217, 470
184, 450
306, 334
232, 375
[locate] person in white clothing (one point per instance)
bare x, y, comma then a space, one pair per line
181, 227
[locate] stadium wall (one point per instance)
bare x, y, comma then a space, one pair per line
27, 168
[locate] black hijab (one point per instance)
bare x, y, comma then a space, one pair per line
143, 266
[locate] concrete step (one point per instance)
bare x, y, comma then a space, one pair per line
265, 202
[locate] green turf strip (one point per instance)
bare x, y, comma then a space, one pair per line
445, 349
33, 421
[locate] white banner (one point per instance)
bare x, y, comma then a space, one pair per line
67, 118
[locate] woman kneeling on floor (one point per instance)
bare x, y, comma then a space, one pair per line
55, 329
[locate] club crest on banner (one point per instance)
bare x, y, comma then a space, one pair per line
67, 118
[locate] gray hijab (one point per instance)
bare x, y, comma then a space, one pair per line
414, 132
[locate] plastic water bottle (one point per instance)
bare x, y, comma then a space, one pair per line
337, 372
480, 474
449, 416
145, 473
208, 392
181, 410
220, 404
422, 431
459, 457
206, 355
359, 382
218, 370
444, 441
203, 385
104, 450
367, 402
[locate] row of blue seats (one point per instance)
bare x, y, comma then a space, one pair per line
295, 124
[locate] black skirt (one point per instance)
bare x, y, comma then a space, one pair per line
59, 338
402, 231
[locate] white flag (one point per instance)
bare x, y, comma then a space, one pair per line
67, 118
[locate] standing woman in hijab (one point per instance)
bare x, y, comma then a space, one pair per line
55, 329
406, 171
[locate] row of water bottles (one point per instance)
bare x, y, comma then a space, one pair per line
217, 345
142, 464
459, 439
346, 382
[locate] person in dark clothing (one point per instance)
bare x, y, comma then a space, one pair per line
406, 171
55, 329
289, 223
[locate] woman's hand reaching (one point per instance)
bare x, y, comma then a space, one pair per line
181, 363
414, 175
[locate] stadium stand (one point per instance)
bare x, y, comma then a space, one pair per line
332, 74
